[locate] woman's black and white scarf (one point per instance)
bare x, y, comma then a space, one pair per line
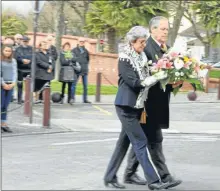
139, 63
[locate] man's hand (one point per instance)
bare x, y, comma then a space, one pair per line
176, 84
49, 70
26, 61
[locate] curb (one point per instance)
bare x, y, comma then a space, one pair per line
217, 132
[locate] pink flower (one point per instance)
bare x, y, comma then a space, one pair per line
197, 68
186, 65
174, 54
159, 64
169, 65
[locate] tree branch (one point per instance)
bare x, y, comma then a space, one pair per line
195, 30
74, 6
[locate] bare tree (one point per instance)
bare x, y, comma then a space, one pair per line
175, 11
206, 41
80, 8
59, 33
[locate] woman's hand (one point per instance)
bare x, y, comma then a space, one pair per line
6, 86
11, 86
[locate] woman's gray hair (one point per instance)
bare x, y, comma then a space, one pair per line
155, 21
137, 32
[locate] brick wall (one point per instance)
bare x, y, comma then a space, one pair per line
105, 63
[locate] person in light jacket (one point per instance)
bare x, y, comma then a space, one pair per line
8, 82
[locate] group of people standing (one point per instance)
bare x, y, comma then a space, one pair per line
16, 63
74, 63
135, 84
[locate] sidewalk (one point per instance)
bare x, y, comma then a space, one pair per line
179, 98
20, 124
78, 118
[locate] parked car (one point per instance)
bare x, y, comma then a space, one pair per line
208, 61
216, 65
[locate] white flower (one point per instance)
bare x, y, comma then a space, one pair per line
177, 74
178, 63
181, 74
203, 73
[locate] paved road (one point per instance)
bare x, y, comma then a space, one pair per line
192, 111
186, 118
77, 161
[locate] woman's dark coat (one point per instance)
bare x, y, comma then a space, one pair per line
42, 65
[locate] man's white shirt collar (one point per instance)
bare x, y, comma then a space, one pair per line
159, 44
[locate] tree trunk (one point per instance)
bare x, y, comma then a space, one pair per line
59, 31
207, 49
176, 24
111, 35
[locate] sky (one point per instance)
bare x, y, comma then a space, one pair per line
22, 7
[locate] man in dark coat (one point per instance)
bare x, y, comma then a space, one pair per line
23, 55
157, 108
82, 57
157, 105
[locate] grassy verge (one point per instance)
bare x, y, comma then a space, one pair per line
214, 74
105, 90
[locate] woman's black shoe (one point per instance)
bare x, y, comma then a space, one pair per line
114, 184
158, 186
7, 129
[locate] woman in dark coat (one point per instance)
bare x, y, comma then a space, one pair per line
44, 68
67, 71
134, 83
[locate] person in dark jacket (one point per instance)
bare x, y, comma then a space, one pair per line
133, 85
52, 49
23, 55
82, 56
157, 109
67, 70
157, 105
44, 69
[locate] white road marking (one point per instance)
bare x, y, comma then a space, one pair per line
82, 142
193, 138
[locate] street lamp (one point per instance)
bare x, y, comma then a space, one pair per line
37, 7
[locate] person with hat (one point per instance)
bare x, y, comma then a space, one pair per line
82, 57
23, 55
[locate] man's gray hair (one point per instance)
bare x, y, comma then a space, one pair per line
137, 32
155, 21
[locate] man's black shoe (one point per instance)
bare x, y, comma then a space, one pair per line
114, 184
86, 101
172, 181
6, 129
134, 179
20, 102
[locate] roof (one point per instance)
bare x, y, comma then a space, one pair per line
194, 42
190, 33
